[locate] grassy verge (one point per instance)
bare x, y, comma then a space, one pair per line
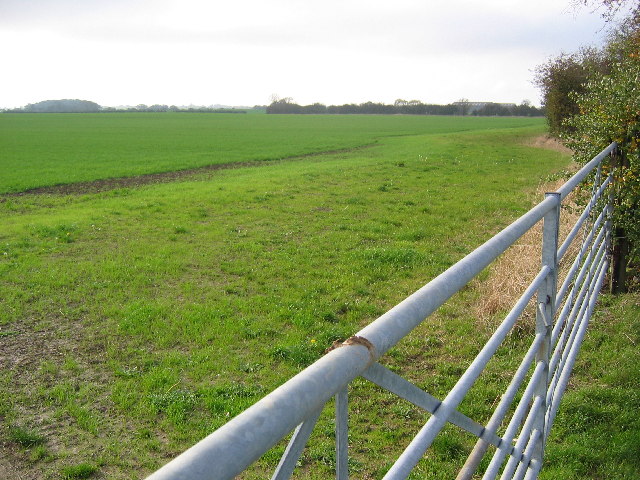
133, 322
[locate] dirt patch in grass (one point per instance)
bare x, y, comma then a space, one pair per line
39, 358
107, 184
23, 348
9, 471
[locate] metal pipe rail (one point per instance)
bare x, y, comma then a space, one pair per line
296, 405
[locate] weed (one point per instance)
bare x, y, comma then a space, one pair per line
339, 332
329, 317
300, 355
251, 367
82, 470
395, 257
249, 333
448, 447
39, 453
176, 400
62, 232
83, 416
47, 367
71, 364
128, 372
25, 438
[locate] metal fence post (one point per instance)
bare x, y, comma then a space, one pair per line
545, 316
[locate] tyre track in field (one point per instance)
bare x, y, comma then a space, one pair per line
106, 184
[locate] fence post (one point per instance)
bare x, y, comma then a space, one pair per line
545, 314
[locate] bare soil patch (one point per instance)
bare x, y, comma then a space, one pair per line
24, 349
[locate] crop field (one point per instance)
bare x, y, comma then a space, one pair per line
137, 318
42, 150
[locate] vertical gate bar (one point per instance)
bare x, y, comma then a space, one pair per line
545, 315
294, 449
533, 470
342, 434
618, 253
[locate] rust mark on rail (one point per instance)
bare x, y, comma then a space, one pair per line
354, 340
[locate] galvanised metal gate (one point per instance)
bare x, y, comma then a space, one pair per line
561, 320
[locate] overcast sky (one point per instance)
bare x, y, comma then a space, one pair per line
241, 52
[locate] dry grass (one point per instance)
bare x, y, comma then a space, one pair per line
548, 142
511, 273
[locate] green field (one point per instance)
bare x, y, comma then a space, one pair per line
40, 150
135, 321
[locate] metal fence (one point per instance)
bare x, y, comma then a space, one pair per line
562, 317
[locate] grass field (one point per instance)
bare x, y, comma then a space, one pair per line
135, 321
41, 150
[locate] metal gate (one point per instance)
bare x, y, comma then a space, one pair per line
563, 313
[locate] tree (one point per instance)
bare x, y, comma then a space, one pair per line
560, 79
63, 106
284, 105
463, 106
611, 8
316, 108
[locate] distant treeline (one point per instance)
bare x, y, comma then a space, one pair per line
413, 107
86, 106
287, 106
59, 106
172, 108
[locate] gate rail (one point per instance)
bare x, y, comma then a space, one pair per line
562, 317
